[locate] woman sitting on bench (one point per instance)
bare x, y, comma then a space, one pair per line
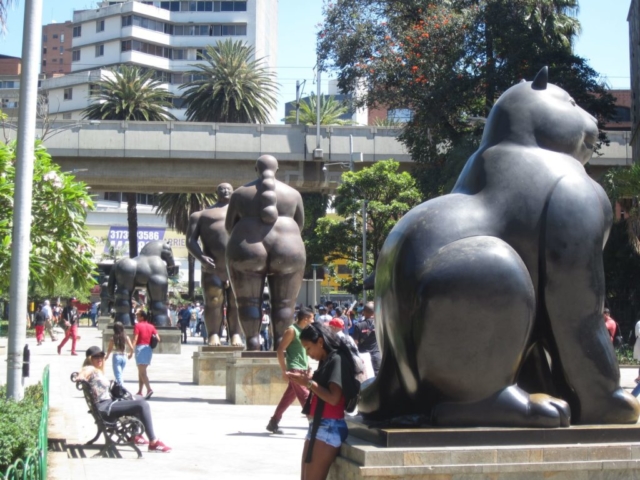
94, 375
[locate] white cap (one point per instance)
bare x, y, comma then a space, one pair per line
198, 304
46, 302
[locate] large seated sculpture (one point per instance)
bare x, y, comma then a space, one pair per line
147, 270
489, 300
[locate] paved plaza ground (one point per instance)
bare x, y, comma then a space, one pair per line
210, 437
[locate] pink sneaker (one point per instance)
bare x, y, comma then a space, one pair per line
159, 447
140, 440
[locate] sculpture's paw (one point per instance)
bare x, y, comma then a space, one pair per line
214, 340
547, 411
236, 340
510, 407
619, 407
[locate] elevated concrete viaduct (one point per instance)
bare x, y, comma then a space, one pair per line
151, 157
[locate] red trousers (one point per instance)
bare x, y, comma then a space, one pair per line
72, 332
293, 390
40, 333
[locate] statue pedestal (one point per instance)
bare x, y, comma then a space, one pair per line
105, 323
581, 452
210, 364
170, 344
254, 381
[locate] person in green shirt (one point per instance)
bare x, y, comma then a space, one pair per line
292, 358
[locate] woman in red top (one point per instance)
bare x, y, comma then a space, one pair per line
142, 332
322, 443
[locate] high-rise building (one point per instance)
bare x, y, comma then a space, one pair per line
634, 52
168, 37
56, 48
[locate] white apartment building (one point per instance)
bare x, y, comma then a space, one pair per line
168, 37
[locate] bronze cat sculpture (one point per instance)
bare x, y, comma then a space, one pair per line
489, 300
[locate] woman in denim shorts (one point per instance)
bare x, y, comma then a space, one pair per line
326, 403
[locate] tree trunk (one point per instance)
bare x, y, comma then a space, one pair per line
192, 272
132, 220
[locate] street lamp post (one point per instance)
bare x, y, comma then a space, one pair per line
315, 284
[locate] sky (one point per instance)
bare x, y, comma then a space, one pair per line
604, 40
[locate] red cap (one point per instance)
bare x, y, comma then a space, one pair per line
336, 322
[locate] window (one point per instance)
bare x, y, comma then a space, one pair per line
75, 56
61, 61
44, 38
178, 102
8, 84
54, 47
99, 26
66, 116
44, 50
126, 21
68, 93
100, 50
125, 45
621, 114
400, 115
55, 35
77, 31
44, 63
54, 60
61, 38
344, 270
61, 50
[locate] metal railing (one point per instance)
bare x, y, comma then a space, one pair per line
34, 465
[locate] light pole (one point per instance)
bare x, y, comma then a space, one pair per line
315, 288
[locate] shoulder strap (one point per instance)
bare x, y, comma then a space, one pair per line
317, 417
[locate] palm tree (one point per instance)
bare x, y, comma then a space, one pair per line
557, 19
230, 87
4, 4
330, 112
177, 208
129, 95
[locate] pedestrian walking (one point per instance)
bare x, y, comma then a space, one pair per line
364, 334
49, 320
292, 359
142, 332
38, 323
69, 318
118, 345
265, 344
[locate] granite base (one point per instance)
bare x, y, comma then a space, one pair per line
254, 381
210, 364
581, 460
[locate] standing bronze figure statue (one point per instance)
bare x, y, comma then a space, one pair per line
489, 299
264, 221
208, 225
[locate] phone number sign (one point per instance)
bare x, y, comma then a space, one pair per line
118, 237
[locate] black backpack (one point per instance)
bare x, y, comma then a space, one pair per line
351, 380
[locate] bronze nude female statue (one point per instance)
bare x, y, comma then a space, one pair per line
264, 222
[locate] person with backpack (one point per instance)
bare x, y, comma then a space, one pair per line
69, 319
332, 387
184, 317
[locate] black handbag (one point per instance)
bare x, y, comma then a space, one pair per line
153, 343
118, 392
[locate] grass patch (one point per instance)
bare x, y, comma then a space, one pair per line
625, 355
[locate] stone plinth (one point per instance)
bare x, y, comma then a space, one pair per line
516, 458
105, 323
210, 364
171, 341
254, 381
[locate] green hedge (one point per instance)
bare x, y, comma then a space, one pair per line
19, 423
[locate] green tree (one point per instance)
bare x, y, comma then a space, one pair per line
130, 95
230, 87
448, 61
315, 208
330, 112
177, 208
61, 247
622, 185
342, 238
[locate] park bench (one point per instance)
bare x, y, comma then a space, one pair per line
117, 431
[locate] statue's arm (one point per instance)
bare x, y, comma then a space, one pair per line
232, 214
298, 216
193, 233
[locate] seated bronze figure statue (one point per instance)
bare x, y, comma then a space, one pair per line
489, 300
